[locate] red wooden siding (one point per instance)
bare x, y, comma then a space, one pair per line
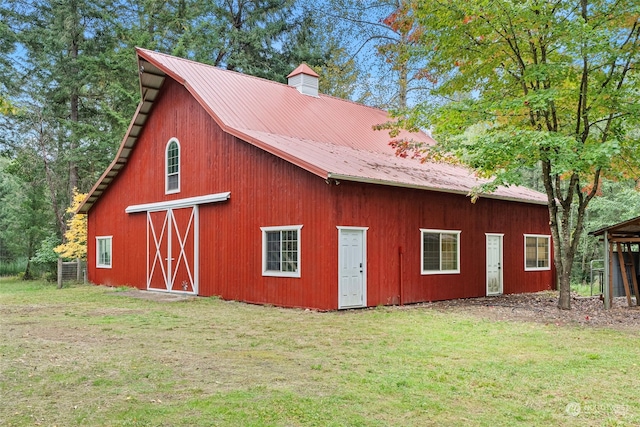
394, 217
268, 191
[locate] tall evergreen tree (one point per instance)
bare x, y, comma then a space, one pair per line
67, 105
7, 47
24, 211
75, 69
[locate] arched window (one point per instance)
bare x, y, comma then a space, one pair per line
173, 166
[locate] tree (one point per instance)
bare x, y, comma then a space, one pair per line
75, 238
70, 109
340, 76
6, 70
69, 82
553, 83
24, 212
381, 34
615, 202
9, 187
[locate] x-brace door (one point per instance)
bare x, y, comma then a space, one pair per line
172, 250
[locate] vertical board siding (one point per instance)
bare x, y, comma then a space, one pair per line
268, 191
394, 217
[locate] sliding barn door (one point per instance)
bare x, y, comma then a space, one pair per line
172, 250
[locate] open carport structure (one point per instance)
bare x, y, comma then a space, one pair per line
620, 240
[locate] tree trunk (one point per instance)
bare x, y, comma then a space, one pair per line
403, 80
564, 284
27, 271
74, 103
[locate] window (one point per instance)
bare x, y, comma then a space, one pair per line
281, 251
103, 252
536, 252
173, 166
440, 251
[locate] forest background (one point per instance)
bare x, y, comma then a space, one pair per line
69, 87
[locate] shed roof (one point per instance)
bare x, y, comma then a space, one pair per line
628, 228
327, 136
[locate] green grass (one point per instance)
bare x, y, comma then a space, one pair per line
585, 290
90, 356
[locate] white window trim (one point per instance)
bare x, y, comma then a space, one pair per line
432, 272
98, 264
273, 273
166, 166
548, 267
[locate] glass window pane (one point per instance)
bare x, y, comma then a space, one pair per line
449, 251
172, 182
173, 166
289, 250
431, 252
273, 250
282, 250
104, 252
543, 252
531, 252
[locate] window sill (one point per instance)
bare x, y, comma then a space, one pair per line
294, 274
431, 273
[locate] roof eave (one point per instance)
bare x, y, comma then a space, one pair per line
614, 227
151, 80
342, 177
126, 146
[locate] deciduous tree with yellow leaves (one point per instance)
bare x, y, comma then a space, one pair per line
75, 238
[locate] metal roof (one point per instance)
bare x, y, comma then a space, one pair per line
327, 136
303, 69
628, 228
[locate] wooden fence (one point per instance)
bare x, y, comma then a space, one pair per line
71, 271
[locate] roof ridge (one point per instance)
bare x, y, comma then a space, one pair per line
321, 95
215, 67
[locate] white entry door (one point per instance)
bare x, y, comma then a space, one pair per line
172, 250
352, 267
494, 264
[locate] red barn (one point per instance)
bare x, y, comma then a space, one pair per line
252, 190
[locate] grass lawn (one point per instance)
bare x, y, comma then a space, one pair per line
89, 356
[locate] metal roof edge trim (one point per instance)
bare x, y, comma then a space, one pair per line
609, 227
86, 205
424, 187
140, 52
179, 203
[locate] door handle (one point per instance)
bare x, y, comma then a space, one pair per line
361, 270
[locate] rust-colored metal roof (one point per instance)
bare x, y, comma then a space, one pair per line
327, 136
303, 69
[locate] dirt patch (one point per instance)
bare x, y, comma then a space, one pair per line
543, 307
155, 296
